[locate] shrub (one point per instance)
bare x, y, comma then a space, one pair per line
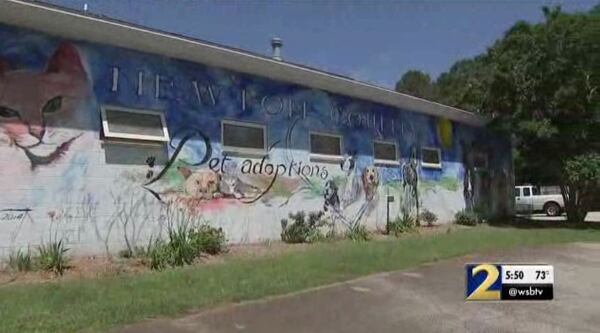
183, 246
358, 233
180, 246
158, 255
187, 238
402, 224
137, 252
178, 250
428, 216
208, 239
302, 230
53, 257
20, 261
464, 217
125, 253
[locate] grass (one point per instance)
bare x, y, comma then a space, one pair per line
100, 304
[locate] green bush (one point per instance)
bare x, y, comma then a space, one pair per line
178, 250
466, 218
158, 255
402, 225
180, 246
358, 233
302, 230
208, 239
52, 257
183, 246
428, 216
20, 261
137, 252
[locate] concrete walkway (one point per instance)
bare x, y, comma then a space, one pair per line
590, 217
427, 299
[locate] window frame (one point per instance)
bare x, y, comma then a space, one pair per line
118, 135
432, 165
379, 161
243, 150
325, 157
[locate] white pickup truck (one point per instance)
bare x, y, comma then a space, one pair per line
528, 200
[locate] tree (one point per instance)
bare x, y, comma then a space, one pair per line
544, 89
541, 84
595, 10
583, 174
416, 83
464, 85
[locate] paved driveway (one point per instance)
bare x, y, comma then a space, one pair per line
427, 299
590, 217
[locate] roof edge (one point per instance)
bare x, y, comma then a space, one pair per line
78, 26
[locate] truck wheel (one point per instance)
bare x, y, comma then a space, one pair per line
552, 209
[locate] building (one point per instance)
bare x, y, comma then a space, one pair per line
106, 126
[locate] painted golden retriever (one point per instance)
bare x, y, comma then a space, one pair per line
370, 182
201, 184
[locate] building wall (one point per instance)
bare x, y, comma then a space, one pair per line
60, 178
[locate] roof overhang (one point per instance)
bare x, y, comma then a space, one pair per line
78, 26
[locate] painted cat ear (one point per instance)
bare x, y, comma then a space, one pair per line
65, 59
185, 172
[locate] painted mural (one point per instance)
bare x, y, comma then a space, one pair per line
59, 175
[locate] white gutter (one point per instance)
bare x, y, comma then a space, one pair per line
77, 26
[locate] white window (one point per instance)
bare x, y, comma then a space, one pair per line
325, 146
431, 157
124, 123
385, 152
243, 137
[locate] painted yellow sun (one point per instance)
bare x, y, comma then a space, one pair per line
444, 129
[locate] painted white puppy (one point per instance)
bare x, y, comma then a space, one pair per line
351, 190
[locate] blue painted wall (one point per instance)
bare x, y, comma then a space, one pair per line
58, 172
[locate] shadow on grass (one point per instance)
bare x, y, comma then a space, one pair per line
526, 223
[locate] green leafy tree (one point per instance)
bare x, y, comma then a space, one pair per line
465, 84
582, 175
540, 83
416, 83
543, 89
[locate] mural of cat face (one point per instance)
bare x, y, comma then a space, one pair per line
37, 110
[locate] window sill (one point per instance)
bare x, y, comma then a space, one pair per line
245, 152
133, 142
326, 158
384, 163
431, 166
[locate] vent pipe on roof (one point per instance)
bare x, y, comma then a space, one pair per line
276, 44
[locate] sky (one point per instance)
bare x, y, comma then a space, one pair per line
368, 40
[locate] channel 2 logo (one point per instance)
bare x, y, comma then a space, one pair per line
500, 282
